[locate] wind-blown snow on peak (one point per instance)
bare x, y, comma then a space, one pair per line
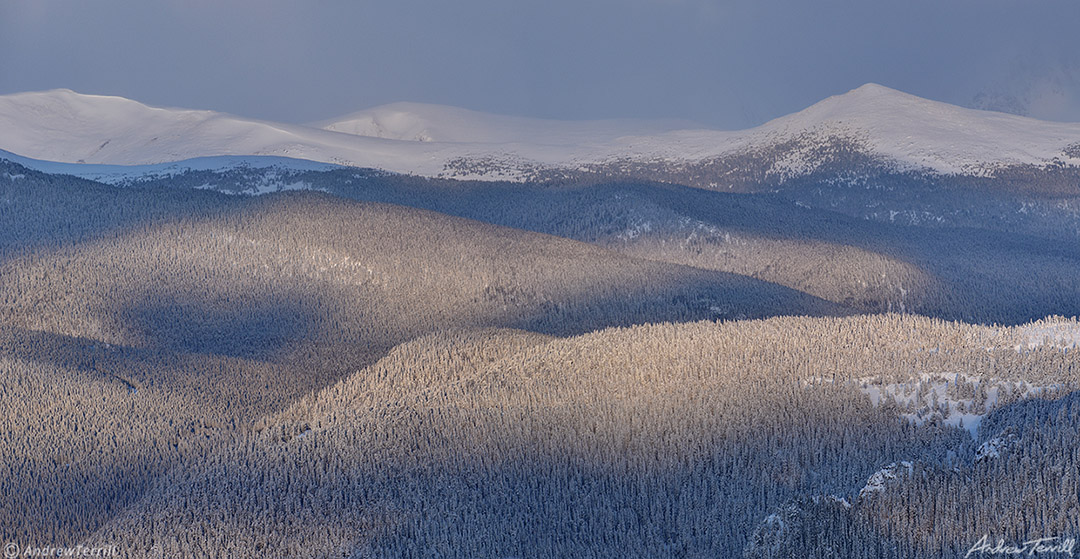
438, 123
921, 133
396, 121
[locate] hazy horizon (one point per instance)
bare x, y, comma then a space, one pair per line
333, 117
726, 65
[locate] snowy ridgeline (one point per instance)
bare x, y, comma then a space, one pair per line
907, 132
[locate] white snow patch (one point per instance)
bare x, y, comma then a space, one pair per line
1065, 335
833, 499
994, 447
882, 478
636, 230
774, 520
956, 400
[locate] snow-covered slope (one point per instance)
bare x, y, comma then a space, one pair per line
906, 131
897, 129
64, 126
923, 133
69, 127
913, 132
437, 123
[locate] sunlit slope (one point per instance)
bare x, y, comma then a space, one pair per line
988, 271
140, 328
262, 276
626, 442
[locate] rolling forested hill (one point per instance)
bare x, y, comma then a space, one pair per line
616, 360
158, 320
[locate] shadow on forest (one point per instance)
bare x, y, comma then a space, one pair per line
985, 275
250, 328
697, 295
40, 210
979, 275
1021, 487
194, 343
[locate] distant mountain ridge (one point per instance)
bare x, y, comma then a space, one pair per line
438, 123
869, 127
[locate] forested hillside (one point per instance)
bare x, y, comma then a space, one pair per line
169, 317
653, 441
955, 248
978, 269
391, 366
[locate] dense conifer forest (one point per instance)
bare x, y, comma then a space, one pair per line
393, 366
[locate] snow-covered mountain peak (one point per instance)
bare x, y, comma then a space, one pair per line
876, 108
921, 133
877, 93
894, 128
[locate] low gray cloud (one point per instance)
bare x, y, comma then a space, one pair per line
729, 64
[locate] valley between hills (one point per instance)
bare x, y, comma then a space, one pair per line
420, 331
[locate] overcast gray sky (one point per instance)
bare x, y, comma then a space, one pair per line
725, 63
